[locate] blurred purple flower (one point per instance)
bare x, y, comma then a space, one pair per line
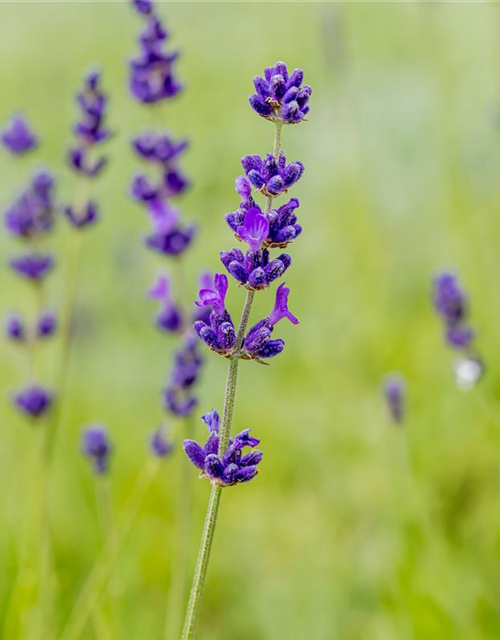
96, 446
17, 136
34, 401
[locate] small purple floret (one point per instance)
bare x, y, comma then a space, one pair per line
178, 395
169, 318
215, 295
46, 325
14, 328
83, 217
34, 401
395, 391
17, 136
32, 266
96, 446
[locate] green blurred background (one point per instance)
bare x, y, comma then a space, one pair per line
354, 529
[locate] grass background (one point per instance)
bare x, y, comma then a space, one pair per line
354, 529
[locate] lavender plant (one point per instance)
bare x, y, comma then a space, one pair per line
152, 81
30, 219
451, 303
282, 99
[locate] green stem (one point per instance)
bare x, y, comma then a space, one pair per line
108, 537
95, 583
200, 573
177, 591
196, 594
69, 301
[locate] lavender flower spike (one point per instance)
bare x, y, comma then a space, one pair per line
178, 395
232, 467
96, 446
395, 392
33, 267
17, 136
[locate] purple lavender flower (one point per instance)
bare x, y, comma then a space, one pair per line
214, 296
17, 136
178, 395
14, 328
96, 446
254, 269
83, 217
270, 176
257, 343
159, 148
280, 97
395, 392
218, 333
46, 325
283, 227
232, 467
32, 213
169, 317
451, 303
34, 267
254, 229
206, 281
34, 401
159, 444
91, 129
173, 242
151, 71
143, 6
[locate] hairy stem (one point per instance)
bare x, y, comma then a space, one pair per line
216, 492
200, 573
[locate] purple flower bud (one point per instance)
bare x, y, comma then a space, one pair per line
46, 325
85, 216
160, 446
195, 453
244, 439
214, 296
34, 401
269, 176
212, 420
394, 390
14, 328
159, 148
172, 243
254, 229
243, 187
32, 266
459, 336
96, 446
17, 136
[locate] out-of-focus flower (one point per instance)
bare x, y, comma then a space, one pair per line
34, 401
178, 396
169, 318
14, 328
17, 136
32, 213
82, 217
46, 325
97, 447
159, 444
32, 266
395, 395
